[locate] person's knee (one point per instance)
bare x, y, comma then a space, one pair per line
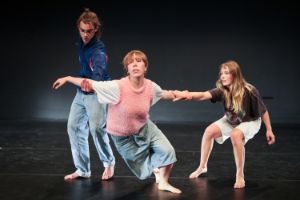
236, 137
211, 132
71, 127
170, 152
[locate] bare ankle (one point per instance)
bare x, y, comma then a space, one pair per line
239, 182
157, 175
108, 172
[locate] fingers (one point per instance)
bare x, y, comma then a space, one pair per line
82, 85
177, 98
85, 86
180, 95
271, 140
56, 85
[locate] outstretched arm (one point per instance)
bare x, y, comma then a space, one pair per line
269, 133
84, 83
168, 95
186, 95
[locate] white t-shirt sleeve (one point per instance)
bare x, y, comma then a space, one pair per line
157, 93
107, 91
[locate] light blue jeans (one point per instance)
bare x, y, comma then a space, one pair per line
86, 116
145, 150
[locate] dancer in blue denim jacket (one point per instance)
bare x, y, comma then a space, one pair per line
86, 114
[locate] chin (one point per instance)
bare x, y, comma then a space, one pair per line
226, 85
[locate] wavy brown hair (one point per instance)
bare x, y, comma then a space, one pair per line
89, 17
235, 92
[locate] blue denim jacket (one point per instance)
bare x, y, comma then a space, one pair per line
93, 60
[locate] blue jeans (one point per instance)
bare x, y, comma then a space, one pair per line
145, 150
86, 116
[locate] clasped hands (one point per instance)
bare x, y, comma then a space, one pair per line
181, 95
86, 86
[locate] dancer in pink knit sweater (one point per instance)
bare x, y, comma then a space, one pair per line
144, 148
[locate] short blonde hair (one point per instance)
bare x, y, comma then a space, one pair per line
129, 58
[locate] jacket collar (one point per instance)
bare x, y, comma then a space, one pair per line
91, 43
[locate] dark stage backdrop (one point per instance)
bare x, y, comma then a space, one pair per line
185, 42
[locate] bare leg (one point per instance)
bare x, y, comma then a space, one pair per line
108, 172
164, 173
156, 174
237, 138
211, 132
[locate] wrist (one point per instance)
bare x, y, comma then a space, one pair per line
268, 129
172, 95
67, 78
189, 95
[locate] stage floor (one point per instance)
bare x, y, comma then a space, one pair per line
35, 156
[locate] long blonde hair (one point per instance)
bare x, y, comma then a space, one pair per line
234, 93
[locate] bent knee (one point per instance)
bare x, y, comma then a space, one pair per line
168, 152
237, 137
72, 128
212, 132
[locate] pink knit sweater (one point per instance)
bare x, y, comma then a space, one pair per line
132, 111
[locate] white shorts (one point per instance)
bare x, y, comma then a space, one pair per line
249, 129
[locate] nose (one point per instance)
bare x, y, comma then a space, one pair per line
134, 63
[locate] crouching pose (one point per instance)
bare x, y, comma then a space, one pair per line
244, 110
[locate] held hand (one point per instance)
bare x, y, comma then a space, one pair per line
86, 86
181, 95
176, 95
58, 83
270, 137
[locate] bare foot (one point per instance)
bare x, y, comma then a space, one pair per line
168, 187
156, 174
239, 183
198, 172
71, 176
108, 172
